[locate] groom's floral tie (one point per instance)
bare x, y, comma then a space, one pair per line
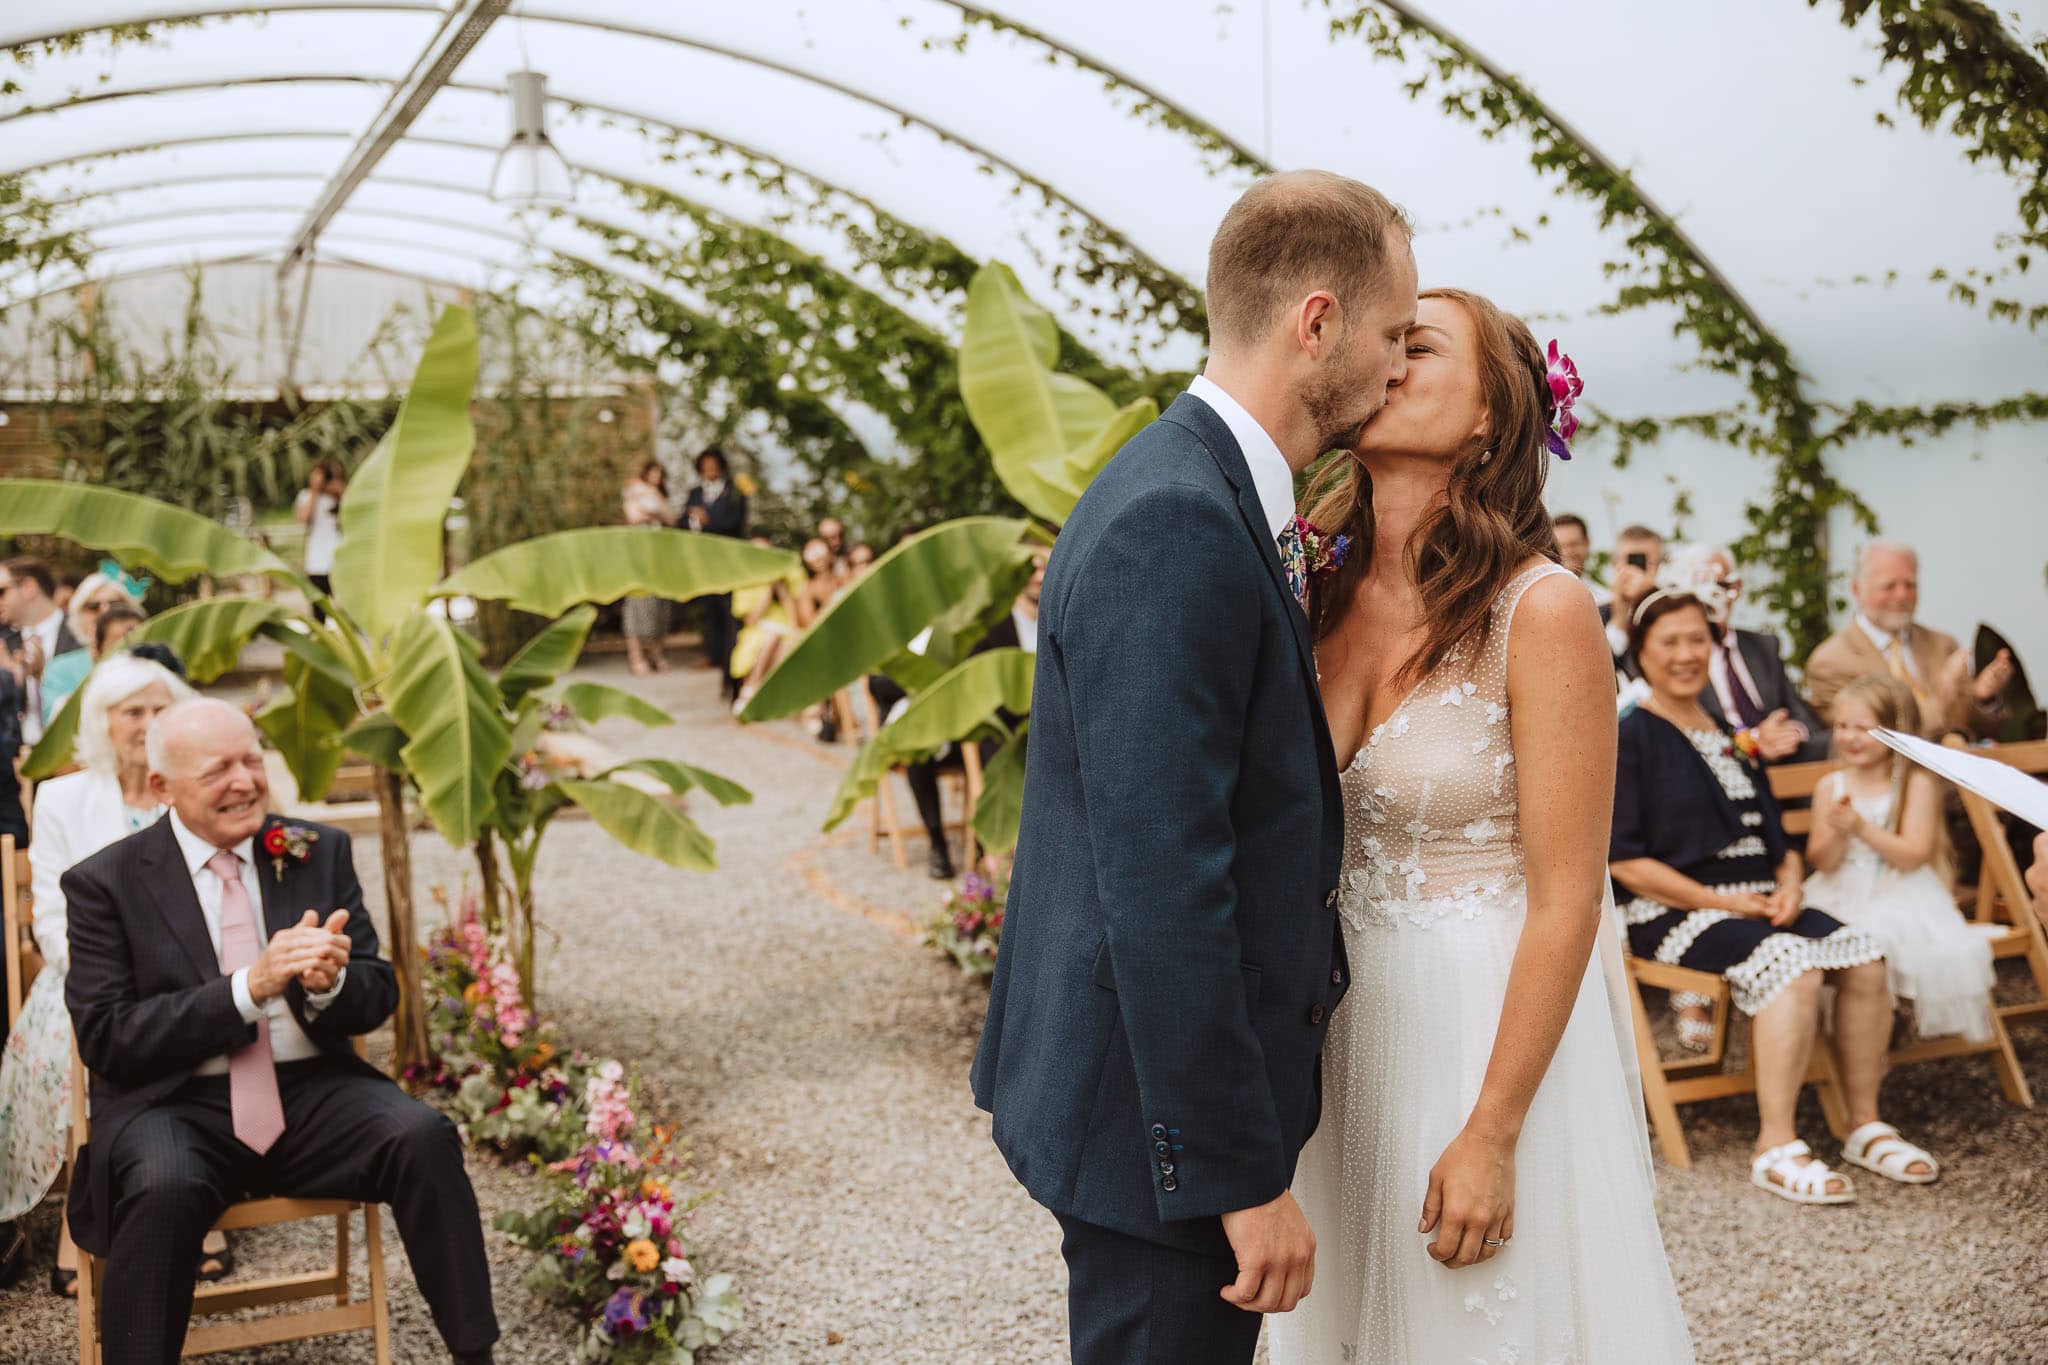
1294, 559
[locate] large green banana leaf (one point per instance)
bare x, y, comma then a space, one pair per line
953, 708
592, 702
1048, 433
140, 532
389, 557
915, 584
1001, 807
305, 722
546, 655
983, 602
547, 574
52, 753
645, 824
681, 778
376, 737
439, 694
208, 635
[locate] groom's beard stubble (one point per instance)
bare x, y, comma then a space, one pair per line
1333, 407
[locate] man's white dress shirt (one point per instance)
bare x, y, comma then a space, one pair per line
1272, 478
288, 1042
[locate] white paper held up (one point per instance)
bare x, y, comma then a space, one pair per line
2001, 784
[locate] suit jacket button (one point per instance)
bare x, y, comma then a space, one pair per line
1169, 1183
1315, 1013
1161, 1148
1166, 1168
1336, 976
1159, 1131
1330, 900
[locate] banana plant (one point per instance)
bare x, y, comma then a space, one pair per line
1048, 435
386, 675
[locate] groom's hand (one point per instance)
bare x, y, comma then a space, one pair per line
1276, 1256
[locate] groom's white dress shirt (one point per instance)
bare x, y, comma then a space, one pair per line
288, 1042
1272, 479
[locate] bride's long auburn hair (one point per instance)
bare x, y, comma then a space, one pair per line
1493, 518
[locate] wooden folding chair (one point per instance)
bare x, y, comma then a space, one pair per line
2004, 909
211, 1299
23, 960
882, 816
1688, 1080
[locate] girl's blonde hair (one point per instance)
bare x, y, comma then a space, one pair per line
1891, 704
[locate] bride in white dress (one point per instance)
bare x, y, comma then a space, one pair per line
1480, 1185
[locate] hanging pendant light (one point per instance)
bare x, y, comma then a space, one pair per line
530, 172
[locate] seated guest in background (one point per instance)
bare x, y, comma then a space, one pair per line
13, 698
1638, 557
767, 615
214, 1011
77, 814
1574, 548
1883, 638
1748, 687
716, 507
1017, 631
860, 559
100, 601
1706, 880
32, 610
1880, 858
832, 531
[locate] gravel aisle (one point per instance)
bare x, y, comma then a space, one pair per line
818, 1058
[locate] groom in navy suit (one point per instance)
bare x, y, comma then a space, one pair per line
1170, 951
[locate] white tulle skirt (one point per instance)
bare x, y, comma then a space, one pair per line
1584, 1278
1932, 955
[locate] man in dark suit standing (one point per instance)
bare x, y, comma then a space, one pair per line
1170, 952
214, 1010
717, 508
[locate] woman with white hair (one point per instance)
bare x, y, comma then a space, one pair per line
75, 816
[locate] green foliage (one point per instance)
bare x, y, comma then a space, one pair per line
29, 240
142, 532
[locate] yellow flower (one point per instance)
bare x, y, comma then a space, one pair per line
473, 992
745, 483
643, 1255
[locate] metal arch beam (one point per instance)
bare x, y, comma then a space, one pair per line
581, 216
896, 111
460, 31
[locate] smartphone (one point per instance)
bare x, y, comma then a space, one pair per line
1639, 560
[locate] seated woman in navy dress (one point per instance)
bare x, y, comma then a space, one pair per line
1706, 879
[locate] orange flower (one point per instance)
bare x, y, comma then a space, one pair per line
651, 1188
643, 1255
473, 992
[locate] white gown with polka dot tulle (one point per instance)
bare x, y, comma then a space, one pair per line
1433, 902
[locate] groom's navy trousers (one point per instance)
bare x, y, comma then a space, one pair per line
1170, 948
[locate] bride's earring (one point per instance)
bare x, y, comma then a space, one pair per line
1486, 457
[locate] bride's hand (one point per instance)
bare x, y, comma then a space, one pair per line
1471, 1200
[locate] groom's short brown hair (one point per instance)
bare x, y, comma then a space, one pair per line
1291, 234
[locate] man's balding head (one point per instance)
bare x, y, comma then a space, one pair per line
206, 763
1292, 234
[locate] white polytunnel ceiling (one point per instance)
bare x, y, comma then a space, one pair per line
1091, 146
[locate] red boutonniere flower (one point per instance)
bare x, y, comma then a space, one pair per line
1745, 744
288, 841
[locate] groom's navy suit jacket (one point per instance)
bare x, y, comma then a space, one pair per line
1170, 952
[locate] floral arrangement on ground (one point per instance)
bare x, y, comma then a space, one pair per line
611, 1232
968, 925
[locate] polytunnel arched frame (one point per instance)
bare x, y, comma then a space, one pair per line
895, 143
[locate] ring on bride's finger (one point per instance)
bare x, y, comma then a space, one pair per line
1496, 1241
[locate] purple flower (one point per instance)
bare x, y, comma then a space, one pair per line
626, 1312
975, 887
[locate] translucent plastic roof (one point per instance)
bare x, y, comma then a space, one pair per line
1051, 134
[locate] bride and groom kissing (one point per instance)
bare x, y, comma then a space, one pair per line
1310, 975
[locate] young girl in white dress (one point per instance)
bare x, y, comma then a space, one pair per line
1877, 850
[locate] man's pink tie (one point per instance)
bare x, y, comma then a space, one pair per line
252, 1071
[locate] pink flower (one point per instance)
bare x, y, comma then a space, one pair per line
1565, 387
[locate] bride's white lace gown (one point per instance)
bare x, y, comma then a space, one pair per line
1433, 901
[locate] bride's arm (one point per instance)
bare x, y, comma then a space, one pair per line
1561, 714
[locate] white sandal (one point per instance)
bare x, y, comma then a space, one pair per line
1802, 1183
1878, 1147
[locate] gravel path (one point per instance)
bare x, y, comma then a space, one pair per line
782, 1013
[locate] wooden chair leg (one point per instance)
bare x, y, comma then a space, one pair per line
1825, 1075
885, 799
2011, 1079
341, 1260
88, 1308
1656, 1090
380, 1303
